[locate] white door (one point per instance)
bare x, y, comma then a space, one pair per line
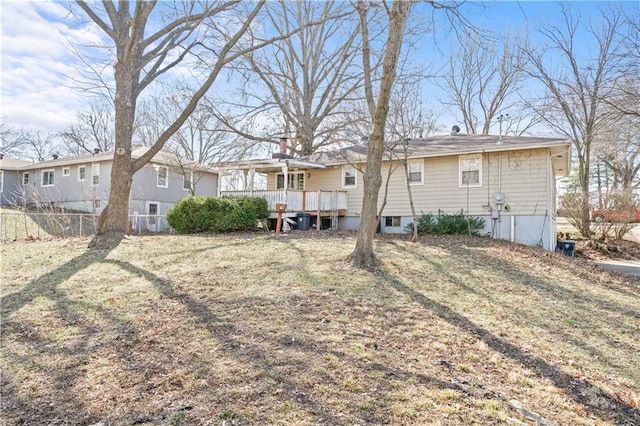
152, 218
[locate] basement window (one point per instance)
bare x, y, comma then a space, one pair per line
392, 221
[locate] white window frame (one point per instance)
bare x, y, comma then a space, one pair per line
187, 181
95, 174
52, 174
420, 164
66, 171
462, 167
1, 180
80, 177
166, 177
345, 170
293, 182
25, 178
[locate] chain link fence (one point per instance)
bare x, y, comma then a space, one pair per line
18, 225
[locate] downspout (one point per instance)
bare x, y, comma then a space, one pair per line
285, 171
500, 187
500, 173
552, 203
498, 215
513, 228
219, 189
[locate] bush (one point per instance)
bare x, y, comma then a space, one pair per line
447, 224
207, 214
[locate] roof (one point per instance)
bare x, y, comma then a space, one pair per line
460, 144
13, 163
162, 157
268, 164
438, 146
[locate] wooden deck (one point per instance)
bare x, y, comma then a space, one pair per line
321, 203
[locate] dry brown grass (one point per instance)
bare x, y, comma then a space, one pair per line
253, 329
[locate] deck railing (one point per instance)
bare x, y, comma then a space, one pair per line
298, 201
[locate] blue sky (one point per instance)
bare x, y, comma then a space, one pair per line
38, 68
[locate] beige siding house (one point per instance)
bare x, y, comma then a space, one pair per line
510, 182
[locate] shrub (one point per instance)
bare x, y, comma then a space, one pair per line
207, 214
447, 224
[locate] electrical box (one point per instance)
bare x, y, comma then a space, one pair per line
495, 214
498, 198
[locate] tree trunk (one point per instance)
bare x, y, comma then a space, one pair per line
114, 219
363, 255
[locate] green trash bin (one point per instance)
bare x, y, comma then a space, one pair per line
304, 221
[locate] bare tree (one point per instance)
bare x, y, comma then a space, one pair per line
363, 254
93, 130
483, 78
203, 137
625, 98
144, 54
10, 141
39, 145
201, 140
407, 120
303, 81
575, 87
618, 149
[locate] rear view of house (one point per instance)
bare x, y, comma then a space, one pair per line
510, 182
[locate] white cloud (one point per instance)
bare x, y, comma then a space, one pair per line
38, 66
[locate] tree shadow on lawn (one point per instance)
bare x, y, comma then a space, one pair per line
265, 361
58, 379
47, 286
60, 398
545, 288
580, 390
584, 306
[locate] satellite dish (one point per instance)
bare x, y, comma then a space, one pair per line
455, 130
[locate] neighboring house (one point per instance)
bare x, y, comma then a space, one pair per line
82, 183
511, 183
11, 180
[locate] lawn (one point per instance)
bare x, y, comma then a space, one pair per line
256, 329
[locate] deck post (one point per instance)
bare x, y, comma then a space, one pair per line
285, 172
220, 174
252, 173
318, 218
